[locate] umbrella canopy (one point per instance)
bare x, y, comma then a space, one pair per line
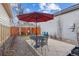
35, 17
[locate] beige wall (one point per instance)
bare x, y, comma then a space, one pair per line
0, 33
4, 18
4, 25
4, 33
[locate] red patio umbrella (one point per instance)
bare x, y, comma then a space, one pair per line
35, 17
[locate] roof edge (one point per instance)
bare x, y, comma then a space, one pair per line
7, 8
66, 10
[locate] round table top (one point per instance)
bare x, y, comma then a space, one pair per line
37, 37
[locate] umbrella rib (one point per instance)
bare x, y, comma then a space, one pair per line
47, 16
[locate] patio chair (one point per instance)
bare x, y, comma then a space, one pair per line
44, 42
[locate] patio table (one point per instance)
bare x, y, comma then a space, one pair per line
39, 39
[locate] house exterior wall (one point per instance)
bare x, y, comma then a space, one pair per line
4, 25
0, 34
4, 18
67, 20
4, 33
49, 26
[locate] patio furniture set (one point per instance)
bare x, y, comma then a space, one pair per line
41, 40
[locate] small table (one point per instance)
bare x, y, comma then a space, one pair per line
38, 38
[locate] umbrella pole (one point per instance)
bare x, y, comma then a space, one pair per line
36, 35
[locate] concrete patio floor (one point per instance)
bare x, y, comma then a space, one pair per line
55, 48
23, 47
20, 48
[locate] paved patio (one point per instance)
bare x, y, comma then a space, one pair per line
55, 48
20, 48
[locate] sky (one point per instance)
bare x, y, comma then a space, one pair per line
41, 7
50, 8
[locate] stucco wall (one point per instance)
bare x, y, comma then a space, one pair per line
49, 26
67, 21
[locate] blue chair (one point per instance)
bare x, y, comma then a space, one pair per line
44, 42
